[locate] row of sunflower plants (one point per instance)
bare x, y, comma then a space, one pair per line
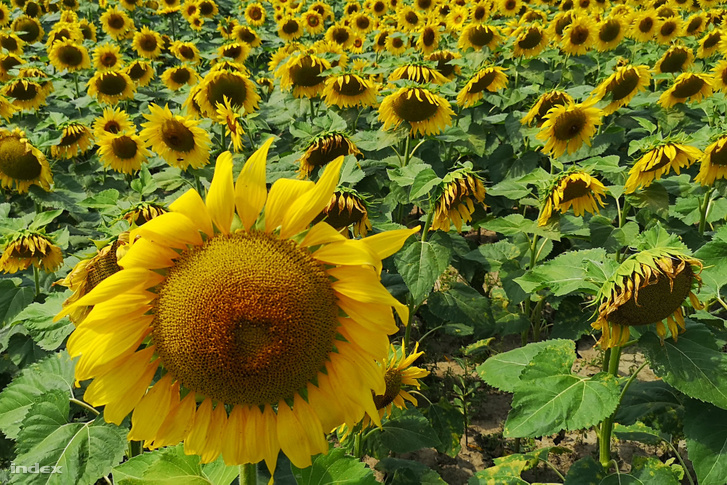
239, 238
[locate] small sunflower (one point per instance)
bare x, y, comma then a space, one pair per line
491, 79
11, 43
545, 102
480, 11
677, 58
713, 165
207, 8
428, 37
579, 36
107, 57
29, 247
668, 29
64, 31
694, 25
568, 127
643, 26
176, 77
575, 189
530, 40
220, 83
147, 43
177, 139
719, 80
396, 43
290, 28
340, 34
229, 117
123, 152
362, 23
4, 15
457, 18
399, 372
649, 287
281, 326
709, 44
76, 139
22, 164
140, 72
688, 86
112, 120
68, 55
185, 51
478, 36
559, 23
313, 22
444, 65
621, 86
111, 86
409, 19
659, 161
143, 213
426, 112
417, 73
255, 14
455, 204
324, 149
509, 8
610, 33
28, 29
234, 52
347, 208
302, 74
25, 94
349, 90
116, 23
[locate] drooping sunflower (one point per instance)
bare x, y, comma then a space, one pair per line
124, 152
659, 161
142, 213
417, 73
621, 86
611, 32
426, 112
568, 127
709, 44
234, 52
76, 139
68, 55
64, 31
25, 94
694, 25
648, 287
575, 189
177, 139
30, 247
28, 29
399, 372
107, 57
140, 72
491, 78
255, 14
457, 194
345, 209
349, 90
545, 102
147, 43
220, 83
579, 36
302, 74
185, 51
643, 26
688, 86
22, 164
176, 77
559, 23
112, 120
677, 58
530, 40
713, 165
282, 325
478, 36
668, 29
444, 66
323, 149
111, 86
116, 23
290, 28
229, 117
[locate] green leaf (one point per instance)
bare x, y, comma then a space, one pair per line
506, 471
448, 423
333, 469
38, 319
568, 273
13, 299
105, 199
424, 182
644, 471
714, 274
503, 370
82, 451
421, 263
693, 364
55, 372
407, 431
408, 472
705, 427
549, 398
171, 466
462, 304
42, 219
639, 432
645, 399
405, 176
516, 224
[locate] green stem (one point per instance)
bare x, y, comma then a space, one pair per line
134, 449
357, 451
604, 439
174, 27
681, 461
407, 330
36, 278
552, 467
248, 474
75, 80
407, 155
312, 110
85, 406
428, 224
704, 209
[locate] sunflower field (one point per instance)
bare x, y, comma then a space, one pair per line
379, 241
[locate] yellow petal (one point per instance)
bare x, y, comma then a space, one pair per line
178, 422
213, 443
250, 189
302, 211
172, 229
282, 195
322, 233
269, 439
327, 407
373, 341
251, 434
364, 286
195, 440
232, 438
371, 315
350, 252
191, 205
292, 437
221, 196
151, 410
146, 254
387, 243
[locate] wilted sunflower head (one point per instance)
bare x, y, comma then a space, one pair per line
418, 73
142, 213
490, 79
235, 85
347, 208
302, 74
621, 86
323, 149
76, 139
575, 189
456, 199
22, 164
659, 161
348, 90
688, 86
426, 112
444, 65
649, 287
30, 247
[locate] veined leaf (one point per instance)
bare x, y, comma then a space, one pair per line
406, 431
335, 468
421, 263
706, 429
568, 273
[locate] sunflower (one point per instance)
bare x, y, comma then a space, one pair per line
649, 287
579, 36
443, 62
185, 51
229, 117
4, 15
545, 102
396, 43
378, 8
458, 193
491, 79
409, 19
281, 324
207, 8
140, 72
659, 161
313, 22
346, 208
575, 189
290, 28
611, 32
64, 31
28, 29
129, 5
530, 40
399, 372
76, 139
417, 73
302, 74
688, 86
478, 36
11, 43
234, 52
196, 23
480, 11
457, 18
22, 164
709, 44
7, 109
111, 86
324, 149
509, 8
621, 86
245, 34
124, 152
147, 43
255, 14
177, 139
25, 94
643, 26
677, 58
713, 165
116, 23
694, 25
177, 77
142, 213
567, 127
340, 34
428, 39
112, 120
426, 112
68, 55
559, 23
668, 29
107, 57
190, 10
220, 83
29, 247
719, 77
349, 90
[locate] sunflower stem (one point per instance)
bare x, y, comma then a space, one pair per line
134, 449
36, 278
704, 209
174, 27
85, 406
248, 474
407, 155
428, 223
612, 356
312, 110
357, 451
75, 80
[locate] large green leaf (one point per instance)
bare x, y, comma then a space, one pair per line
507, 469
38, 319
82, 452
517, 224
335, 468
13, 299
645, 399
448, 423
55, 372
408, 472
406, 431
706, 429
171, 466
503, 370
693, 364
421, 263
462, 304
644, 471
568, 273
714, 274
549, 398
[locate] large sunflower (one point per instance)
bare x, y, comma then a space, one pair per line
713, 165
220, 83
349, 90
303, 74
545, 102
688, 86
177, 139
76, 139
621, 86
491, 79
426, 112
455, 204
676, 59
255, 14
21, 164
575, 189
579, 36
66, 54
111, 86
147, 43
274, 325
123, 152
324, 149
28, 29
658, 162
649, 287
568, 127
26, 248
